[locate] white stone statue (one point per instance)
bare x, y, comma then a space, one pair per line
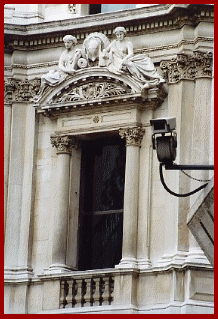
67, 65
120, 60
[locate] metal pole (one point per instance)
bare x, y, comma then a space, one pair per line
173, 166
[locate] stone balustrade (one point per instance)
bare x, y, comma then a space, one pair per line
87, 291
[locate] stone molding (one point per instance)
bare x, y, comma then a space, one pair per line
137, 21
132, 135
64, 144
178, 45
9, 68
188, 67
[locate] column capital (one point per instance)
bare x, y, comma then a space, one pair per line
64, 144
188, 67
132, 135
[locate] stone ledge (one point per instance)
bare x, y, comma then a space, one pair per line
171, 308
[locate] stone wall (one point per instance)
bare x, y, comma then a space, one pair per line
162, 270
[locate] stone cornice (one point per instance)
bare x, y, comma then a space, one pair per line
188, 67
136, 21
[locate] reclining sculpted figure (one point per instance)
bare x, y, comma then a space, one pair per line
120, 59
67, 65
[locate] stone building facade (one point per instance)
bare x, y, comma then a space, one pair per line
89, 228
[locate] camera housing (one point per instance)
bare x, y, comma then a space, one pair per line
164, 125
166, 143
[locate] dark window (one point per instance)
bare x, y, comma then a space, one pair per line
101, 203
94, 8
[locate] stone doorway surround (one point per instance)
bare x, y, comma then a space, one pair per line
97, 102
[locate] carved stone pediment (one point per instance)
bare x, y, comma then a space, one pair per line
92, 83
98, 72
96, 87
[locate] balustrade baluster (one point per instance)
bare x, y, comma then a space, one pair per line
83, 301
69, 295
106, 292
102, 288
74, 293
97, 292
78, 297
111, 289
64, 293
89, 292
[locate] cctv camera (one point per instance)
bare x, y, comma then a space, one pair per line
162, 126
165, 145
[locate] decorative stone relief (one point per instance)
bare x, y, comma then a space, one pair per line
132, 135
20, 90
64, 144
188, 67
9, 88
72, 8
26, 90
93, 90
97, 51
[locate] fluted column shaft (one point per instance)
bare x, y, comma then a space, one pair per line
133, 138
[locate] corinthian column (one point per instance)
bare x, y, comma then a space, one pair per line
64, 146
133, 138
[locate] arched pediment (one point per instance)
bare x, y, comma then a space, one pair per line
88, 86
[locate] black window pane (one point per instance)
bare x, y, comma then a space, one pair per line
101, 205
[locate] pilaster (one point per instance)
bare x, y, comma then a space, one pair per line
18, 230
184, 74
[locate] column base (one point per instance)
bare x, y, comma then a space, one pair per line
57, 269
179, 258
183, 258
197, 257
144, 263
127, 263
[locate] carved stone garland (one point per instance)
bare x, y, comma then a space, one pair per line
188, 67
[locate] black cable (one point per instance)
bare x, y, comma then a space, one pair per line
175, 194
195, 179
